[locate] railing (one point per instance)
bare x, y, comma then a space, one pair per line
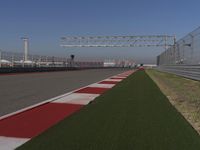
185, 51
16, 60
183, 58
188, 71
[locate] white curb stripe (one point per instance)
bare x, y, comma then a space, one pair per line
115, 80
77, 98
119, 77
79, 102
102, 85
8, 143
125, 75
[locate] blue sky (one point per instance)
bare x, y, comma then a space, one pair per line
45, 21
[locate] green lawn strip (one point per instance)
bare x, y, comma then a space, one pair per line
134, 115
183, 93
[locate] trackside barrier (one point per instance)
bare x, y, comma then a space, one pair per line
188, 71
49, 69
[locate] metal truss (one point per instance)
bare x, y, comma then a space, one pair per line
118, 41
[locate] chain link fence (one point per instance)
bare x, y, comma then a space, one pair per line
185, 51
184, 57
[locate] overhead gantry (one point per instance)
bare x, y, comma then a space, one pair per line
118, 41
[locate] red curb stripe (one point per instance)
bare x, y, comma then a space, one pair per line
108, 82
34, 121
92, 90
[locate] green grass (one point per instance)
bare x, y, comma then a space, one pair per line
134, 115
183, 93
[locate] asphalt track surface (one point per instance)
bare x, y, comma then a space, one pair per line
23, 90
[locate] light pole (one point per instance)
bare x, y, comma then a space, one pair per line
0, 58
26, 47
72, 60
192, 46
184, 45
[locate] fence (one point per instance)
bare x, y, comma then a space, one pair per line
188, 71
184, 57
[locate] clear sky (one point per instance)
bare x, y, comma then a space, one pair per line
45, 21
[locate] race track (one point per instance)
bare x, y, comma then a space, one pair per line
22, 90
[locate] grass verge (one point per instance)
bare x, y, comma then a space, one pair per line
183, 93
134, 115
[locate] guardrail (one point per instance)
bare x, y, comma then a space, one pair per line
188, 71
